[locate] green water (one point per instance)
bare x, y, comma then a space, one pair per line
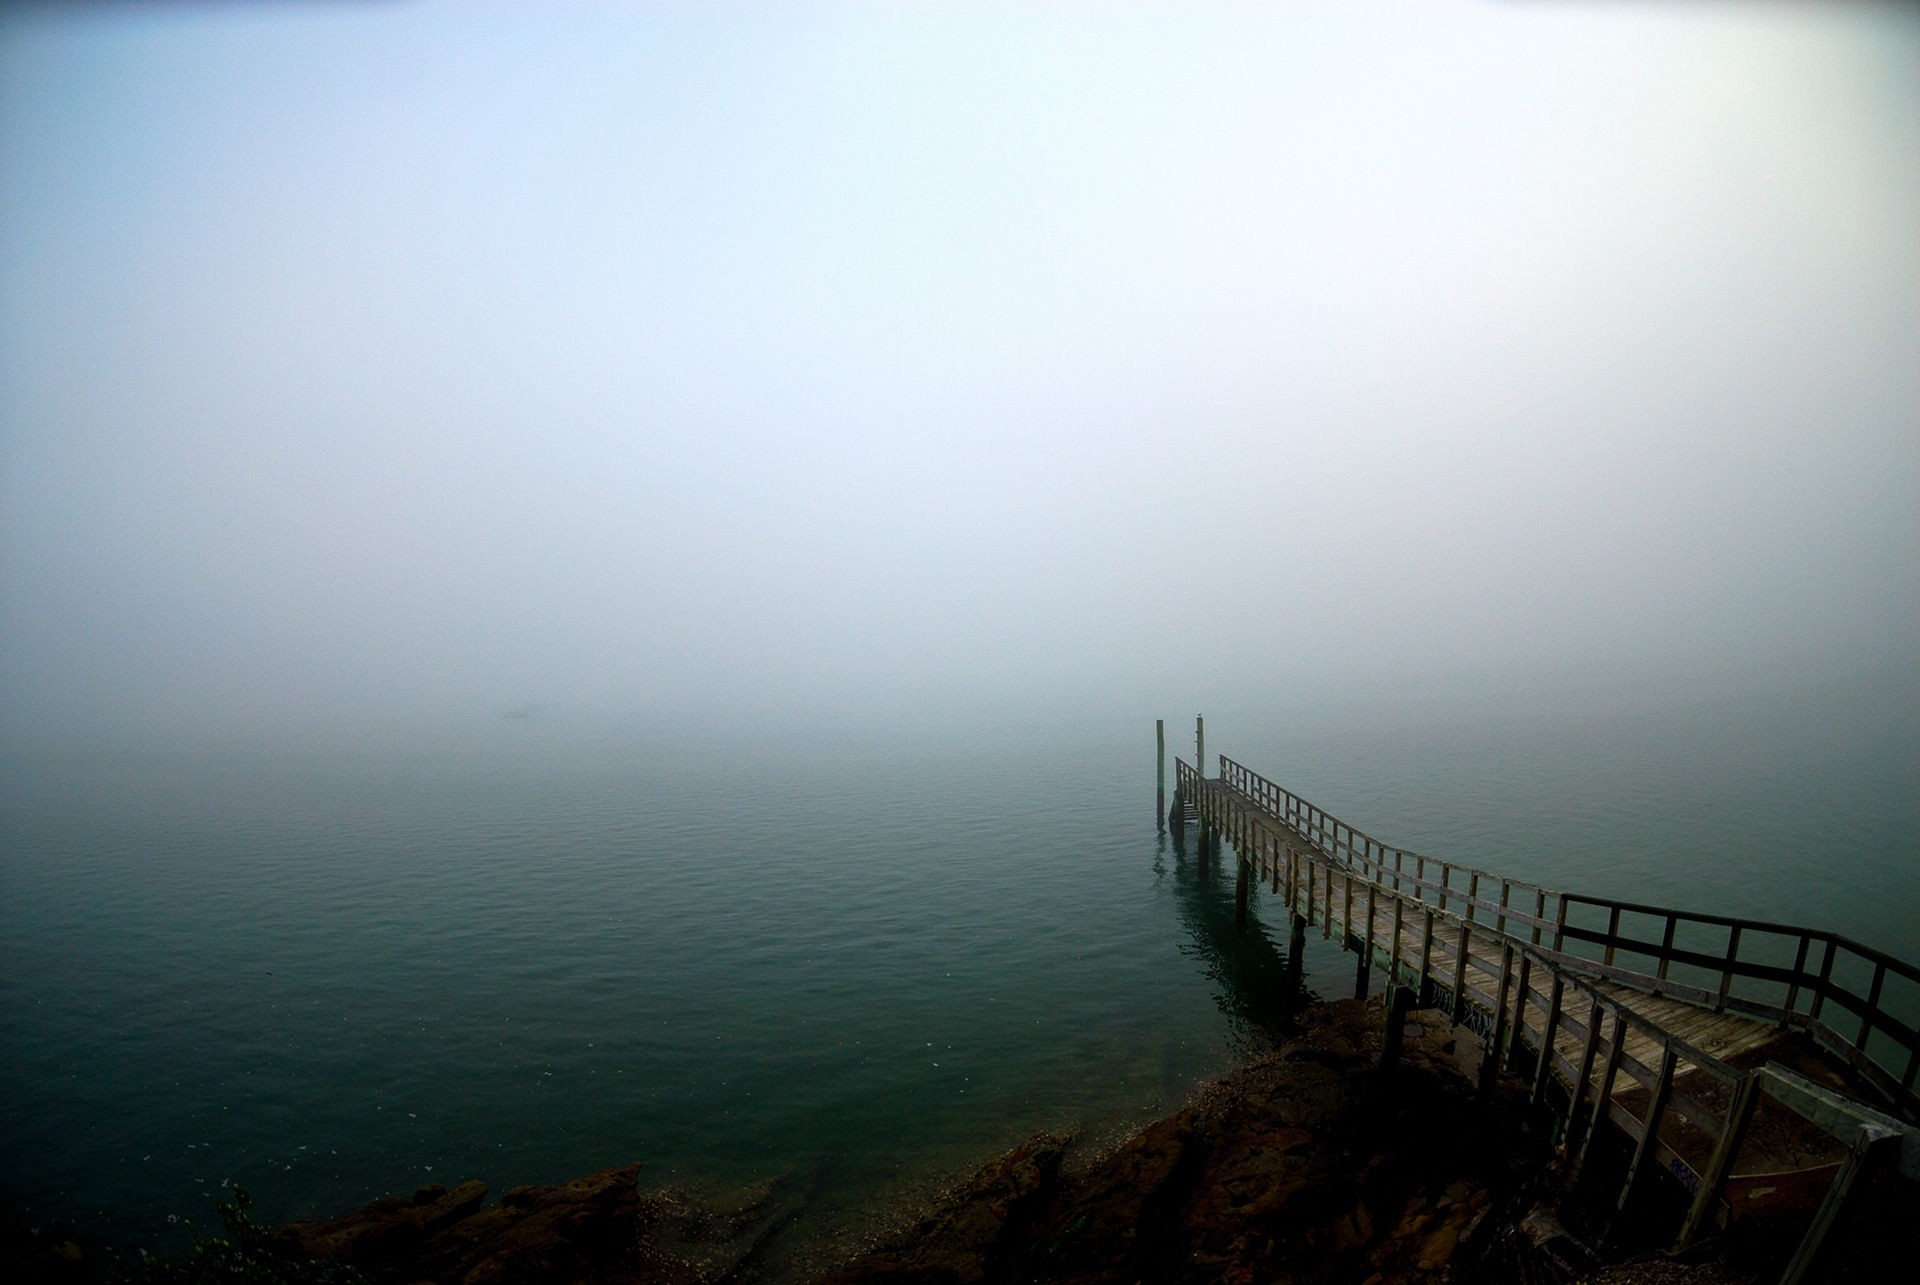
861, 963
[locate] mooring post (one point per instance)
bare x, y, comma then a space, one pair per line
1200, 745
1160, 772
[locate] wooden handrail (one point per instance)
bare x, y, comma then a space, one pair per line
1426, 883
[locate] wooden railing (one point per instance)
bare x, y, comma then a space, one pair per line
1859, 1003
1486, 964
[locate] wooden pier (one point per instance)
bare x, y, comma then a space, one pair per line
1680, 1030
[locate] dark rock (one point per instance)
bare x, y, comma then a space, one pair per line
392, 1228
1309, 1164
981, 1230
597, 1230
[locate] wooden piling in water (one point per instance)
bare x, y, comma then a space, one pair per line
1160, 772
1296, 951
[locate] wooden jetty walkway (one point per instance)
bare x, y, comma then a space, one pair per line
1739, 1058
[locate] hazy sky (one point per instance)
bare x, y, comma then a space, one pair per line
365, 361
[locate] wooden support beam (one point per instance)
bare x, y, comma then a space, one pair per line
1393, 951
1859, 1156
1370, 928
1666, 947
1543, 1065
1160, 773
1579, 1094
1460, 972
1650, 1126
1873, 1004
1296, 951
1720, 1164
1517, 1037
1799, 971
1826, 976
1490, 1062
1733, 953
1426, 959
1326, 914
1399, 1000
1602, 1099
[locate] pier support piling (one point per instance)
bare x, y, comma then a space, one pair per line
1296, 952
1399, 1000
1160, 772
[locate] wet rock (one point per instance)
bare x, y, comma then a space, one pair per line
597, 1230
981, 1231
390, 1228
1308, 1165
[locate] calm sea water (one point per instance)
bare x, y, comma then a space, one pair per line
859, 965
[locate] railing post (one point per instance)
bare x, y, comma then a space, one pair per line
1426, 959
1826, 976
1393, 952
1578, 1094
1460, 957
1604, 1097
1326, 917
1544, 1067
1490, 1061
1517, 1037
1873, 1005
1650, 1127
1726, 975
1799, 971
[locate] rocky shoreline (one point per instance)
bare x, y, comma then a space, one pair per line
1308, 1164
